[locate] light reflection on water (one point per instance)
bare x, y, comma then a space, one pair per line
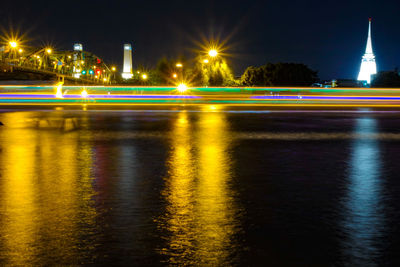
46, 195
192, 188
364, 217
200, 220
18, 195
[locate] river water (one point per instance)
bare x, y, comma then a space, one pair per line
199, 187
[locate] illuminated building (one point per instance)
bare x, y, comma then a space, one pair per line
77, 48
368, 64
127, 71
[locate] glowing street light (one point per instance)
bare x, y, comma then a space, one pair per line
20, 50
205, 61
113, 68
174, 75
182, 88
49, 50
213, 53
13, 44
59, 93
84, 93
144, 76
179, 65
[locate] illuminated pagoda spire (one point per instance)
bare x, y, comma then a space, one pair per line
368, 64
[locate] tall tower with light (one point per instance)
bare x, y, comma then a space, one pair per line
77, 56
368, 64
127, 70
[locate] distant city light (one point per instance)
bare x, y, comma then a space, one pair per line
175, 75
49, 50
78, 47
213, 53
144, 76
206, 61
179, 65
84, 93
13, 44
182, 88
59, 93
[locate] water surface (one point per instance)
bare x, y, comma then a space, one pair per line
211, 187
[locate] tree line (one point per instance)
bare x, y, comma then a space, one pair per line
217, 72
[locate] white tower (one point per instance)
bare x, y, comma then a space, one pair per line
78, 47
127, 71
368, 64
77, 58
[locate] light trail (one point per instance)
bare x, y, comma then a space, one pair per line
240, 90
167, 96
318, 97
97, 96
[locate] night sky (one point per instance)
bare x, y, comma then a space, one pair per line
329, 36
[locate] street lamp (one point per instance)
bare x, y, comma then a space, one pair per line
179, 65
113, 68
213, 53
144, 76
84, 93
49, 50
205, 61
182, 88
13, 44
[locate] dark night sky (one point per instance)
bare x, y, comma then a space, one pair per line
329, 36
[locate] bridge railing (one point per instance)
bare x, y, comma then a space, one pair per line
24, 65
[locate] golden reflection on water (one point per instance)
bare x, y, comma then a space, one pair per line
17, 194
215, 207
200, 218
45, 192
179, 192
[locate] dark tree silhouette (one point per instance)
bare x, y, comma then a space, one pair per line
386, 79
279, 74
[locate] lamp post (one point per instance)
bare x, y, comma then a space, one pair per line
113, 70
